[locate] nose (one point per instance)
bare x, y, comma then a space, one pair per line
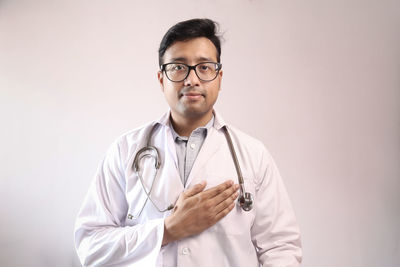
192, 79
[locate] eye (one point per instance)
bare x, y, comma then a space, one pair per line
178, 67
205, 67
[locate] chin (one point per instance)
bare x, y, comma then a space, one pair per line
194, 112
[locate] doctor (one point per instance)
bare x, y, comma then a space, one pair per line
126, 222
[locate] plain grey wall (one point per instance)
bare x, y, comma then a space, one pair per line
317, 81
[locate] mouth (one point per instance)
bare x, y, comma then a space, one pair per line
192, 95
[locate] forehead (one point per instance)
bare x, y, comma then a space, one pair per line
191, 51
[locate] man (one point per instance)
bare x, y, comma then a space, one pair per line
186, 212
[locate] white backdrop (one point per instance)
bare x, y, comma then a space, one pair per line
317, 81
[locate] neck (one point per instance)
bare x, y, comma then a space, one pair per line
184, 126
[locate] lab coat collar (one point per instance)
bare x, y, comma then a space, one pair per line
208, 149
164, 119
218, 120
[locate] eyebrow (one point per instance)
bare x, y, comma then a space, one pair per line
183, 59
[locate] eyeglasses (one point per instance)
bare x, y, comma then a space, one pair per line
205, 71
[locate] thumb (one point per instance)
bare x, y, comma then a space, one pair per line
197, 188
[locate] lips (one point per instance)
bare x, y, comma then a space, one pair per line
192, 95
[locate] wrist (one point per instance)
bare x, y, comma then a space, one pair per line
170, 233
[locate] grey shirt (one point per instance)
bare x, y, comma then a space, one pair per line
187, 148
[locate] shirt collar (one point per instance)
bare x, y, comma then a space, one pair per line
218, 122
205, 128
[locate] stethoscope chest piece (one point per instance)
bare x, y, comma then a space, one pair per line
246, 201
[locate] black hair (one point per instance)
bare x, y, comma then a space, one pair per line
190, 29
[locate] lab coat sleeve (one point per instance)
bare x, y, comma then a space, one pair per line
275, 232
101, 239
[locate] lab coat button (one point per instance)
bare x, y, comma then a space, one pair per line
192, 146
185, 251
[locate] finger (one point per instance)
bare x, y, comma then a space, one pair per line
226, 203
216, 190
227, 193
197, 188
224, 212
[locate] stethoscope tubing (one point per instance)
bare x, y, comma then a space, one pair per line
235, 161
245, 199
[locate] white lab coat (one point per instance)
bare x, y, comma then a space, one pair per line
108, 232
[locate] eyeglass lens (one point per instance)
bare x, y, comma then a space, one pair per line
178, 72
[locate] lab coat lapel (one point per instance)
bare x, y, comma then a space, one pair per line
167, 142
211, 145
170, 183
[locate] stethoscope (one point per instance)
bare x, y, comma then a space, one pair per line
245, 199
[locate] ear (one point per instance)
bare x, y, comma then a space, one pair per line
160, 78
220, 73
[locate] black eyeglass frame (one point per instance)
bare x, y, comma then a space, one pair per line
219, 66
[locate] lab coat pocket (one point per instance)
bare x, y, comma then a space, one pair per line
237, 221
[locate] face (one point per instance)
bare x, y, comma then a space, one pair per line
191, 98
